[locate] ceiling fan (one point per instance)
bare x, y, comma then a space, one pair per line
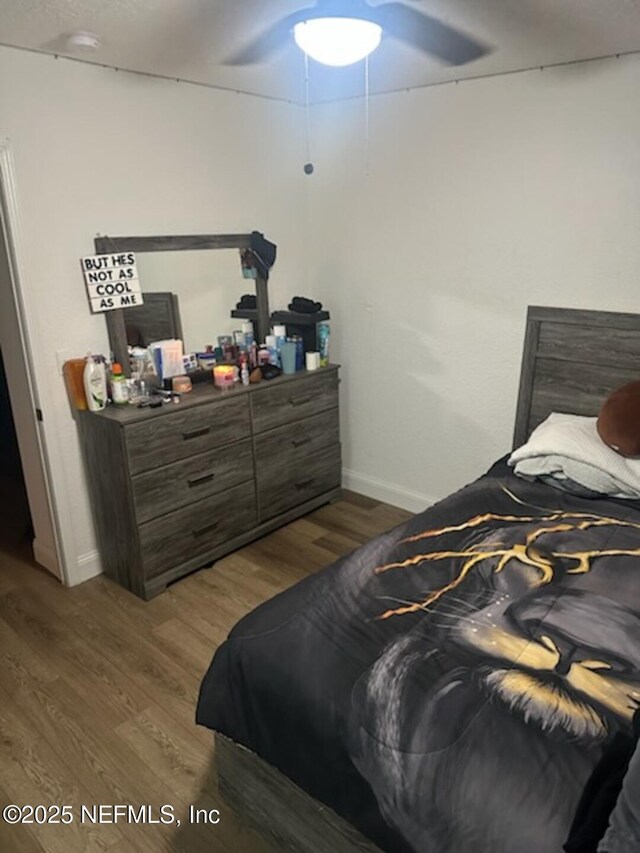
358, 27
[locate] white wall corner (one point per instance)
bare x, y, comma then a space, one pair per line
89, 566
390, 493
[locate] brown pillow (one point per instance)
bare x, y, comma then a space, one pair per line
619, 420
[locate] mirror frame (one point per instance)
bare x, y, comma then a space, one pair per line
105, 245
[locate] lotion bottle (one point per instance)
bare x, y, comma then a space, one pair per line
95, 384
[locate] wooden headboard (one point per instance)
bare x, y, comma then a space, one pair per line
572, 360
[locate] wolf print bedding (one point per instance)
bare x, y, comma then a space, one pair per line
450, 685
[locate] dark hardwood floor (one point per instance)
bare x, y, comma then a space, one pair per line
98, 688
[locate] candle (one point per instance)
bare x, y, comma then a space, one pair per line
224, 376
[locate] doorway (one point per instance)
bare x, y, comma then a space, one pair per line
16, 529
25, 495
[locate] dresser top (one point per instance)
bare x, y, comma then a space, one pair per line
203, 393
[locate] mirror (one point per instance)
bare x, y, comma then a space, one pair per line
206, 286
157, 319
189, 288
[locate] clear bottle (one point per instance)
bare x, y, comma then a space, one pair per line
272, 345
119, 385
244, 372
247, 331
95, 384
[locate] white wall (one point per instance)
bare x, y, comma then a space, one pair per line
482, 198
101, 151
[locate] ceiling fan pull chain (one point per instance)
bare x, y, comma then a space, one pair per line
366, 116
308, 166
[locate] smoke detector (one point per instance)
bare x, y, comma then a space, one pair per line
82, 41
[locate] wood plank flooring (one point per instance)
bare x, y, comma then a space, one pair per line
98, 688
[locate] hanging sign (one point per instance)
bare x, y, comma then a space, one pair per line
112, 281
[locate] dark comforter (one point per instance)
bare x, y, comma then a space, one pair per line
451, 684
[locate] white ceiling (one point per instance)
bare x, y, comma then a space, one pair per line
190, 39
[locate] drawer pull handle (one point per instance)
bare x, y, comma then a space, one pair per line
300, 401
298, 442
196, 433
201, 478
202, 530
304, 483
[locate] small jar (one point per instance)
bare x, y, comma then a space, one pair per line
181, 384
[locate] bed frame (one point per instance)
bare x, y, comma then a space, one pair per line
572, 360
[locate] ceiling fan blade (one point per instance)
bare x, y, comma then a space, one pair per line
428, 34
265, 45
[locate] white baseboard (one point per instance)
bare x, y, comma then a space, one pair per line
46, 556
388, 492
88, 567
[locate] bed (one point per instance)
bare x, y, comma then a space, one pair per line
450, 685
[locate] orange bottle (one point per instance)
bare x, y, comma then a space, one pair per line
73, 371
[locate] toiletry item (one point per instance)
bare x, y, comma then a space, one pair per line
263, 355
137, 360
119, 386
206, 360
73, 372
323, 332
253, 355
244, 373
272, 345
95, 383
224, 375
190, 361
299, 351
247, 331
312, 360
181, 384
280, 333
288, 356
238, 337
167, 358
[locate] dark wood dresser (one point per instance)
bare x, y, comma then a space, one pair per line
177, 487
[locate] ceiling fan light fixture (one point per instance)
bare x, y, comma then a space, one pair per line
337, 41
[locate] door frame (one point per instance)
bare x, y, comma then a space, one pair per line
10, 234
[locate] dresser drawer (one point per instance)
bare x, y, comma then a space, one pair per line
274, 407
196, 529
292, 444
169, 437
299, 479
165, 489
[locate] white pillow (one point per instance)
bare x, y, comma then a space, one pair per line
568, 447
